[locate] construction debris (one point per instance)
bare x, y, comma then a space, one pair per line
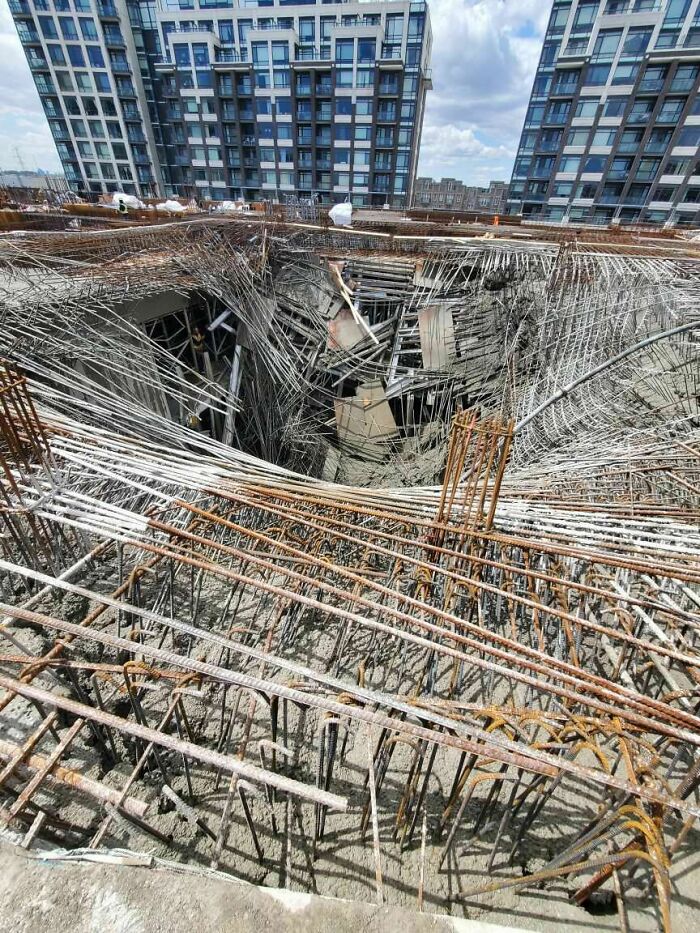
350, 562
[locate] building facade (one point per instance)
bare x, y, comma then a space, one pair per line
449, 194
612, 131
229, 99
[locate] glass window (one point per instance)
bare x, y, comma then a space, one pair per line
689, 136
48, 27
307, 29
182, 54
280, 53
587, 107
626, 74
570, 164
95, 56
577, 138
364, 107
604, 137
261, 53
102, 82
343, 106
56, 54
344, 50
88, 29
607, 43
637, 41
615, 107
68, 30
366, 50
394, 27
562, 189
200, 54
595, 163
586, 14
596, 75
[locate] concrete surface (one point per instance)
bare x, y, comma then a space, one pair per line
52, 896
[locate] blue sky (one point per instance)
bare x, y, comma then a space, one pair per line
485, 54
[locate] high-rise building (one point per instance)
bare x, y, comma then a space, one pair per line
450, 194
613, 127
229, 99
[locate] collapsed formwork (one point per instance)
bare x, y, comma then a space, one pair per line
437, 693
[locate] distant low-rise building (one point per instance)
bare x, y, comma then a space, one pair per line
30, 180
449, 194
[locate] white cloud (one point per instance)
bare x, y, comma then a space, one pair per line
25, 139
485, 54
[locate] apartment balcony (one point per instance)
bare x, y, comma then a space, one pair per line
114, 38
655, 85
670, 118
311, 54
638, 118
231, 57
107, 10
656, 148
27, 36
20, 7
682, 84
564, 90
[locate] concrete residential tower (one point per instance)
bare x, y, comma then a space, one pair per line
613, 127
230, 99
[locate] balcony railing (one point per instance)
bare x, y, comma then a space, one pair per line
652, 84
19, 6
28, 35
225, 56
666, 117
683, 84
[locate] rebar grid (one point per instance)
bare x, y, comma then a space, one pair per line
198, 642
